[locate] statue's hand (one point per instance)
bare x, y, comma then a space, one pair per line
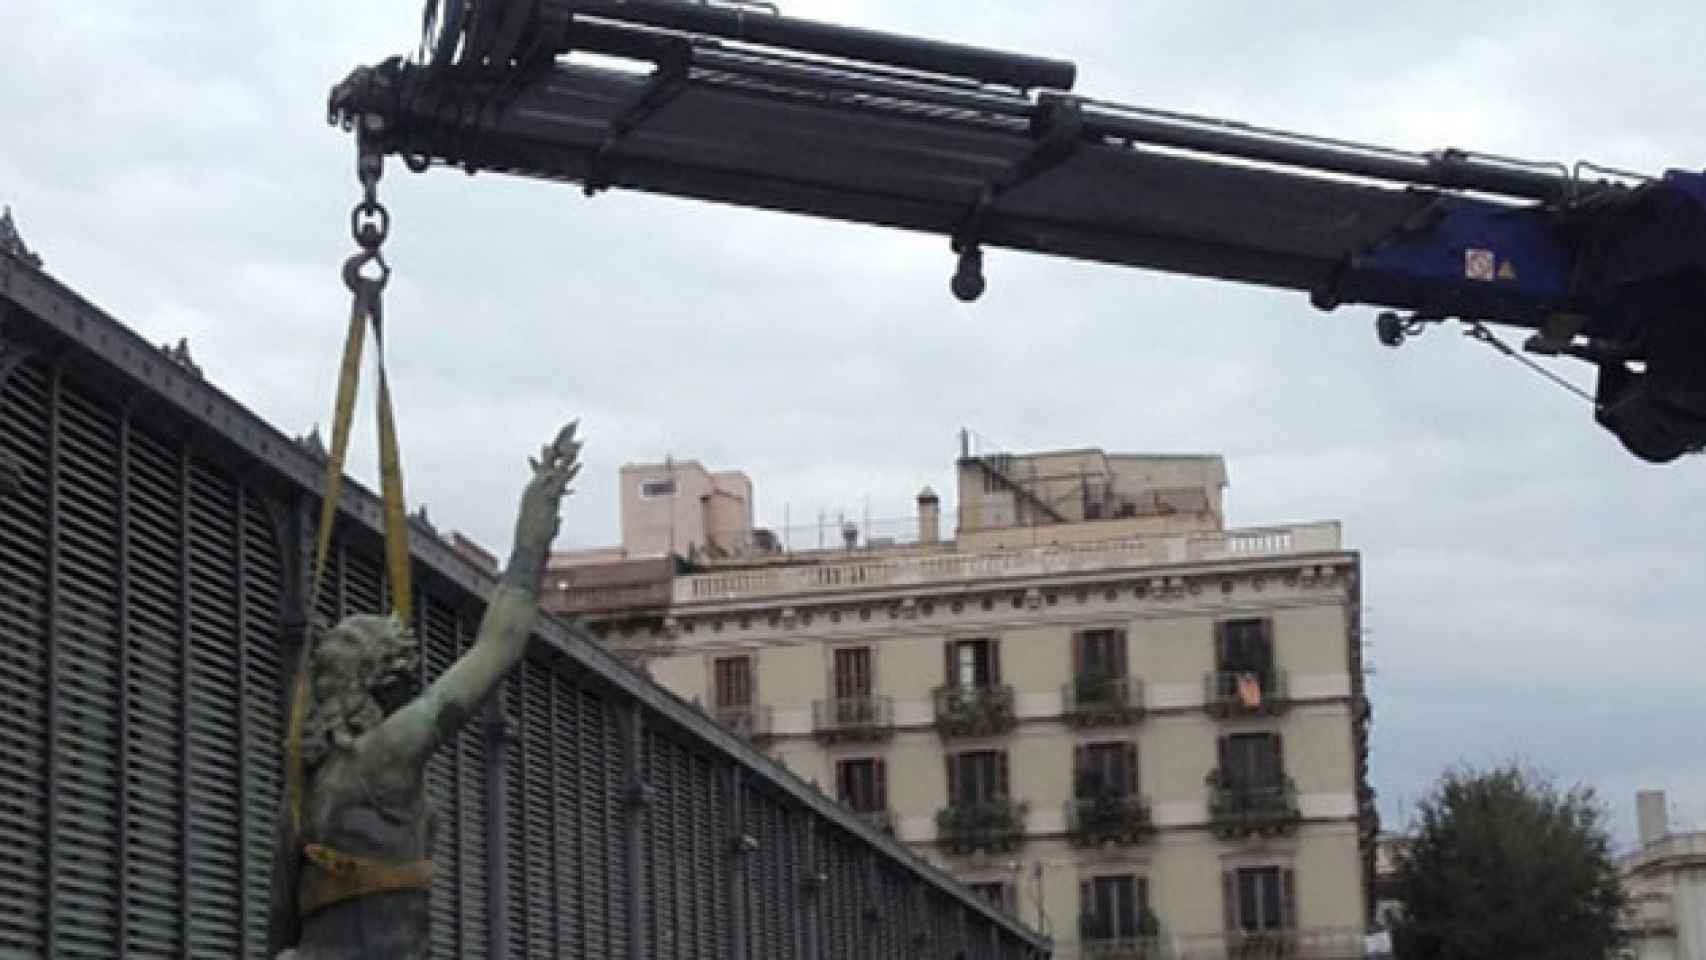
557, 464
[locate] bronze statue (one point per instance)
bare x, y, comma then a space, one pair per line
353, 872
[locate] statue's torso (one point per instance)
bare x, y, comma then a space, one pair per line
358, 806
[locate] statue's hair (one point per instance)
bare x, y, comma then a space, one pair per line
375, 652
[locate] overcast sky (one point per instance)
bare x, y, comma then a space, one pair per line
1530, 588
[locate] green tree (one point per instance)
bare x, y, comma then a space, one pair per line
1504, 865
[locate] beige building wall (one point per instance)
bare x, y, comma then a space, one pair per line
680, 507
1170, 647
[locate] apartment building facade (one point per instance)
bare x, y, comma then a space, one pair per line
1139, 731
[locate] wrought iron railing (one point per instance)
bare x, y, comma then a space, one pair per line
994, 825
1312, 943
882, 820
751, 721
868, 717
1238, 810
1092, 700
973, 711
1109, 817
1092, 946
1245, 693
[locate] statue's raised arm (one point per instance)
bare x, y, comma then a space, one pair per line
413, 732
353, 869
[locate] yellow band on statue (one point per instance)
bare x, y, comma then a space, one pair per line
342, 876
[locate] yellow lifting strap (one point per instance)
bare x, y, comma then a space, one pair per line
364, 309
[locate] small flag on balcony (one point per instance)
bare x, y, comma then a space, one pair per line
1249, 691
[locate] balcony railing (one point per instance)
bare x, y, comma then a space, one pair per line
751, 722
1095, 700
1236, 810
1241, 693
870, 571
868, 717
1092, 947
1315, 943
1109, 818
996, 825
882, 820
973, 711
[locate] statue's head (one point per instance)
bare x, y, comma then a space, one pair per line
359, 672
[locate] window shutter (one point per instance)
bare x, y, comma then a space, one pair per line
881, 800
1078, 654
1229, 899
1220, 645
1265, 644
1120, 663
1086, 911
1001, 776
995, 663
1131, 778
1279, 759
1223, 749
1288, 897
948, 661
953, 765
1142, 900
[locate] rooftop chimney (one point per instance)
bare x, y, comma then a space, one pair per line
1650, 825
929, 516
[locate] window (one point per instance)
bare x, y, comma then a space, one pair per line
1105, 768
1251, 760
1260, 898
851, 675
1112, 908
733, 677
997, 894
862, 784
1245, 646
973, 664
979, 776
657, 488
1099, 654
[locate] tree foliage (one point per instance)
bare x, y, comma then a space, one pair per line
1504, 865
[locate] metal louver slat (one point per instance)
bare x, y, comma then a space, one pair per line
513, 702
602, 853
153, 902
613, 761
475, 903
23, 663
216, 881
363, 582
653, 866
264, 723
574, 920
536, 765
86, 885
438, 651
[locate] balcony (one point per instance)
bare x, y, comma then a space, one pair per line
1108, 817
996, 825
1092, 700
748, 722
1238, 693
1238, 811
973, 711
847, 719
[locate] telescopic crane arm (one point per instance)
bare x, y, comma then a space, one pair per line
736, 104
